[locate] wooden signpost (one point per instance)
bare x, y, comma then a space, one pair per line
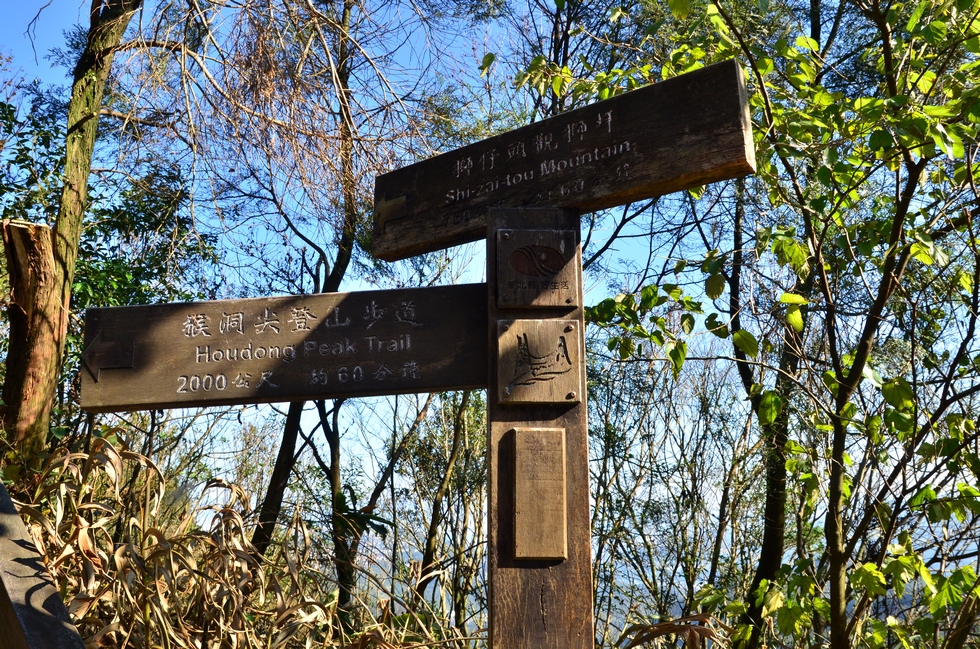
671, 136
264, 350
521, 334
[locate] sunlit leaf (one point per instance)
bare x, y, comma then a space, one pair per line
746, 342
488, 60
868, 578
680, 8
770, 405
898, 393
772, 601
793, 298
794, 317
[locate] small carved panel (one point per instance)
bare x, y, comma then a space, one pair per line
540, 530
533, 268
538, 361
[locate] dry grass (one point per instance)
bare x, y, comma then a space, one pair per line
140, 570
693, 631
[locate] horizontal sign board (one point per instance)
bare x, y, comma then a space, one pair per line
285, 348
666, 137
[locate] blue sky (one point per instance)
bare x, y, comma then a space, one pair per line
47, 32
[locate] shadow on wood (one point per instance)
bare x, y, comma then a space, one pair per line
32, 615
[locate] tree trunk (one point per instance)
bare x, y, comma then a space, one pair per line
432, 537
40, 335
272, 504
36, 318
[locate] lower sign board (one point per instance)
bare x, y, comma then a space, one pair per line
277, 349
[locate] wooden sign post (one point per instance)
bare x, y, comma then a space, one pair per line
540, 559
667, 137
265, 350
674, 135
521, 335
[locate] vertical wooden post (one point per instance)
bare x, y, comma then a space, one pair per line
540, 570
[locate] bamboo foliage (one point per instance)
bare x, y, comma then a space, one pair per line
186, 581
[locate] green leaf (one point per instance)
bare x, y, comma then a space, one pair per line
687, 322
680, 8
925, 495
793, 298
556, 85
648, 296
898, 394
934, 32
772, 602
792, 618
488, 60
626, 348
965, 281
881, 139
921, 251
794, 317
717, 328
872, 375
677, 353
939, 111
868, 578
714, 286
770, 405
917, 15
804, 42
925, 81
746, 342
952, 590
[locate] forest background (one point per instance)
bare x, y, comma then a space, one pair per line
783, 370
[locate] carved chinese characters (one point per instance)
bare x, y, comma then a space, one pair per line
539, 155
278, 349
673, 135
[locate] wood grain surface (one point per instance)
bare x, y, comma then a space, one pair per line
542, 603
540, 531
285, 348
670, 136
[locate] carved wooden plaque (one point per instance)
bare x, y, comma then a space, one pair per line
539, 494
534, 268
278, 349
680, 133
538, 361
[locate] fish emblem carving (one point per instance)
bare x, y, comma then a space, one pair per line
537, 261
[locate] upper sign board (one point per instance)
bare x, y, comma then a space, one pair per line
285, 348
670, 136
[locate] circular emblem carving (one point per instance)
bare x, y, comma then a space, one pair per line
537, 261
